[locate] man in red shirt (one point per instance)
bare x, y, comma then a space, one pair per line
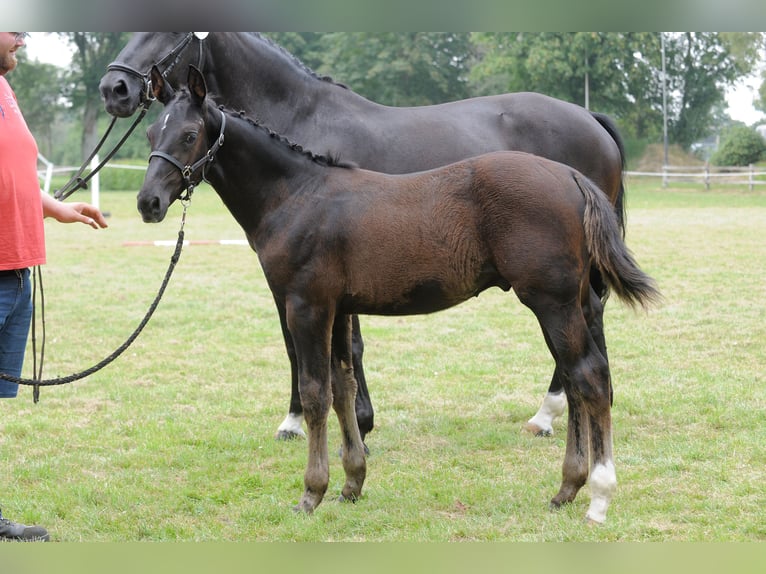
22, 240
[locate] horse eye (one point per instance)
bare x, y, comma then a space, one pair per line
190, 138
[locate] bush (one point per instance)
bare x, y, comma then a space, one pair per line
121, 179
740, 146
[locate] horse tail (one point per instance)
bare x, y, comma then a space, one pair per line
608, 251
619, 205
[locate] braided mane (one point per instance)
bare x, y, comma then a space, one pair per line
330, 160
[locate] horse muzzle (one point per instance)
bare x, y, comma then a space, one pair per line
152, 207
121, 93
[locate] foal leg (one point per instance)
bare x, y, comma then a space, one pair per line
603, 478
344, 391
310, 328
585, 374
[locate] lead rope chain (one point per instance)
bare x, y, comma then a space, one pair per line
38, 382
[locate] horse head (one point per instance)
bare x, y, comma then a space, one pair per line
125, 86
179, 145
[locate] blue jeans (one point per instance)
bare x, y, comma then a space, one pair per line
15, 320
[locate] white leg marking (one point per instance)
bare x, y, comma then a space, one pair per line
603, 483
291, 426
553, 407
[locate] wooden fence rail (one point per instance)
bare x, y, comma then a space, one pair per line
706, 174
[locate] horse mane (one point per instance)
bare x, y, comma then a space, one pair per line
295, 60
328, 160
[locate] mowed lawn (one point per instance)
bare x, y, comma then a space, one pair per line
174, 441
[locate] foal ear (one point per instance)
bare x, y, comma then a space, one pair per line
197, 86
161, 89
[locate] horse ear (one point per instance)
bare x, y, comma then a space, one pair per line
197, 85
161, 89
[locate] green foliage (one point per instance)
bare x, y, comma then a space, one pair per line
399, 68
122, 179
740, 146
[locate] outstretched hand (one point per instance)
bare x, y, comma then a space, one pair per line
84, 213
75, 212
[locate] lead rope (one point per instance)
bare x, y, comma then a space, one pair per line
38, 382
37, 280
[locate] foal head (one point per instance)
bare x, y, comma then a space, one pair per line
179, 144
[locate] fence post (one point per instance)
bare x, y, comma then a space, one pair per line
664, 175
707, 175
750, 177
95, 183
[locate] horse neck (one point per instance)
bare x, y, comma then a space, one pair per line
248, 72
252, 168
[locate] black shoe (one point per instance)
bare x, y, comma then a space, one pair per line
13, 531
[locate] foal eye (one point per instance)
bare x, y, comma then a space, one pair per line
190, 138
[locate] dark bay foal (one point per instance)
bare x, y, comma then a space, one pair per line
335, 241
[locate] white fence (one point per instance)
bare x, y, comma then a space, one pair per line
707, 174
48, 170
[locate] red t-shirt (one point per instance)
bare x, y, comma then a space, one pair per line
22, 233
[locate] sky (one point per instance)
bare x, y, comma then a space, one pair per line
49, 48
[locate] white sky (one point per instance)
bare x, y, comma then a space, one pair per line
48, 47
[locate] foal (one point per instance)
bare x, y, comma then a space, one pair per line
335, 241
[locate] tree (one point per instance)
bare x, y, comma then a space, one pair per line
94, 52
399, 69
621, 74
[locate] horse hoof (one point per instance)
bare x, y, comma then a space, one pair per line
536, 430
289, 435
591, 522
352, 499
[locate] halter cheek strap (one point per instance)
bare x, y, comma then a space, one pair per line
188, 170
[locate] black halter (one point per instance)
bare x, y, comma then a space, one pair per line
188, 170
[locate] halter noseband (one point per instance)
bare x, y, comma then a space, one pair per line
174, 55
188, 170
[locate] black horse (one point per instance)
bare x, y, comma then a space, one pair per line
334, 241
249, 72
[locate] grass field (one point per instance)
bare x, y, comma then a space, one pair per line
174, 441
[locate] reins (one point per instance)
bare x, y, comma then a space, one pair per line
37, 382
77, 181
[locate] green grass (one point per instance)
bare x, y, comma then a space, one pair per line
174, 441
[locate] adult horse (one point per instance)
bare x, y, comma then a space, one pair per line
249, 72
335, 240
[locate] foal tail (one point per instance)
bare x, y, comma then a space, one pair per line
608, 250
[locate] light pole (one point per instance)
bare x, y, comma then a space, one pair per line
664, 101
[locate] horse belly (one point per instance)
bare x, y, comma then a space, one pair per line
414, 294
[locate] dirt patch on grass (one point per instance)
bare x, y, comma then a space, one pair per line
653, 158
